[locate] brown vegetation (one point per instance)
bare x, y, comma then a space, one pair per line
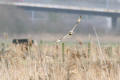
44, 62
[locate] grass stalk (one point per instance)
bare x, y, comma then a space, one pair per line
63, 46
89, 47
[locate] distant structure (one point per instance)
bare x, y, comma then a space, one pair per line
114, 14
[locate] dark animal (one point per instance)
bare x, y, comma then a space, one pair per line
22, 41
25, 43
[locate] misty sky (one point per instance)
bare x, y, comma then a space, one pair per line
15, 20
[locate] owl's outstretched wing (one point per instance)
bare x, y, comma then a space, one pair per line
71, 31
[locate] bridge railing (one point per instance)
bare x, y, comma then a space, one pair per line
109, 4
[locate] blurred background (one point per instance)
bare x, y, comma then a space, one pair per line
16, 21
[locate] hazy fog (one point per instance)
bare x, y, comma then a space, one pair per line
14, 20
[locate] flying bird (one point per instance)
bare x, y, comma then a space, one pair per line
70, 33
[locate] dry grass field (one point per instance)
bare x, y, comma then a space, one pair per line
60, 62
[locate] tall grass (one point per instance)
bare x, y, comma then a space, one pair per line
45, 62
